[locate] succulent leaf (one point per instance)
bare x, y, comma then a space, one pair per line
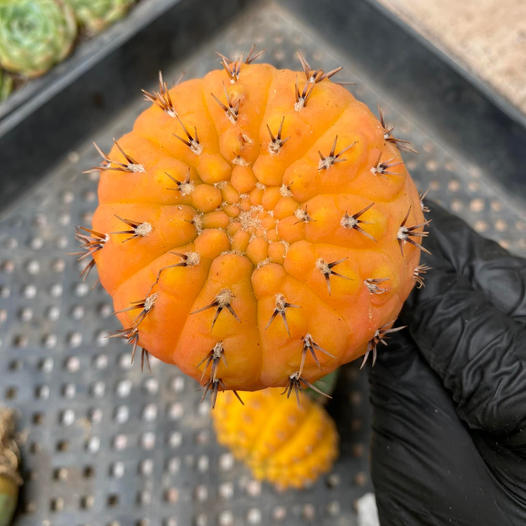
35, 35
95, 15
6, 85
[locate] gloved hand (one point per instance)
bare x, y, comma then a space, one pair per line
449, 392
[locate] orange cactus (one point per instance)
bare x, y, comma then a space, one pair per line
257, 227
286, 443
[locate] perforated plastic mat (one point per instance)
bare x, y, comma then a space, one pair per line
103, 443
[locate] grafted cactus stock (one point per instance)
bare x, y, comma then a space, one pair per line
257, 227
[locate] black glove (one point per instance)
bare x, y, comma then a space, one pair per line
449, 392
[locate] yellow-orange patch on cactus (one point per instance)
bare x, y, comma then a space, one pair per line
248, 210
285, 443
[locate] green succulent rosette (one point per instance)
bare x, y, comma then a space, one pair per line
35, 35
6, 85
95, 15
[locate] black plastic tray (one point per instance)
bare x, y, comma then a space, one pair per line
106, 445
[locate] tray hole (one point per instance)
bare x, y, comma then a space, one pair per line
360, 479
333, 508
72, 364
7, 266
74, 339
226, 490
254, 516
125, 361
88, 472
33, 267
25, 314
112, 500
58, 265
431, 165
29, 507
95, 415
77, 312
86, 502
177, 384
49, 340
357, 450
148, 440
81, 289
4, 292
20, 340
253, 488
124, 388
333, 480
100, 361
146, 467
170, 522
173, 465
149, 413
355, 398
36, 243
202, 437
56, 290
201, 493
53, 313
144, 498
97, 389
175, 411
67, 417
151, 386
56, 504
117, 470
226, 518
279, 513
175, 439
62, 446
102, 338
10, 393
476, 205
226, 461
171, 495
120, 442
105, 310
68, 390
15, 365
92, 445
121, 414
37, 419
501, 225
34, 448
60, 474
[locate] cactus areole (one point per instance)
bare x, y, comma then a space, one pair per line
257, 227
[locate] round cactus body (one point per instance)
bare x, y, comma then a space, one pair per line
35, 34
95, 15
286, 443
257, 227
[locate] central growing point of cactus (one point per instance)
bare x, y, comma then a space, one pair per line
257, 227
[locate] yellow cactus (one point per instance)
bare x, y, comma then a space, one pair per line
287, 443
